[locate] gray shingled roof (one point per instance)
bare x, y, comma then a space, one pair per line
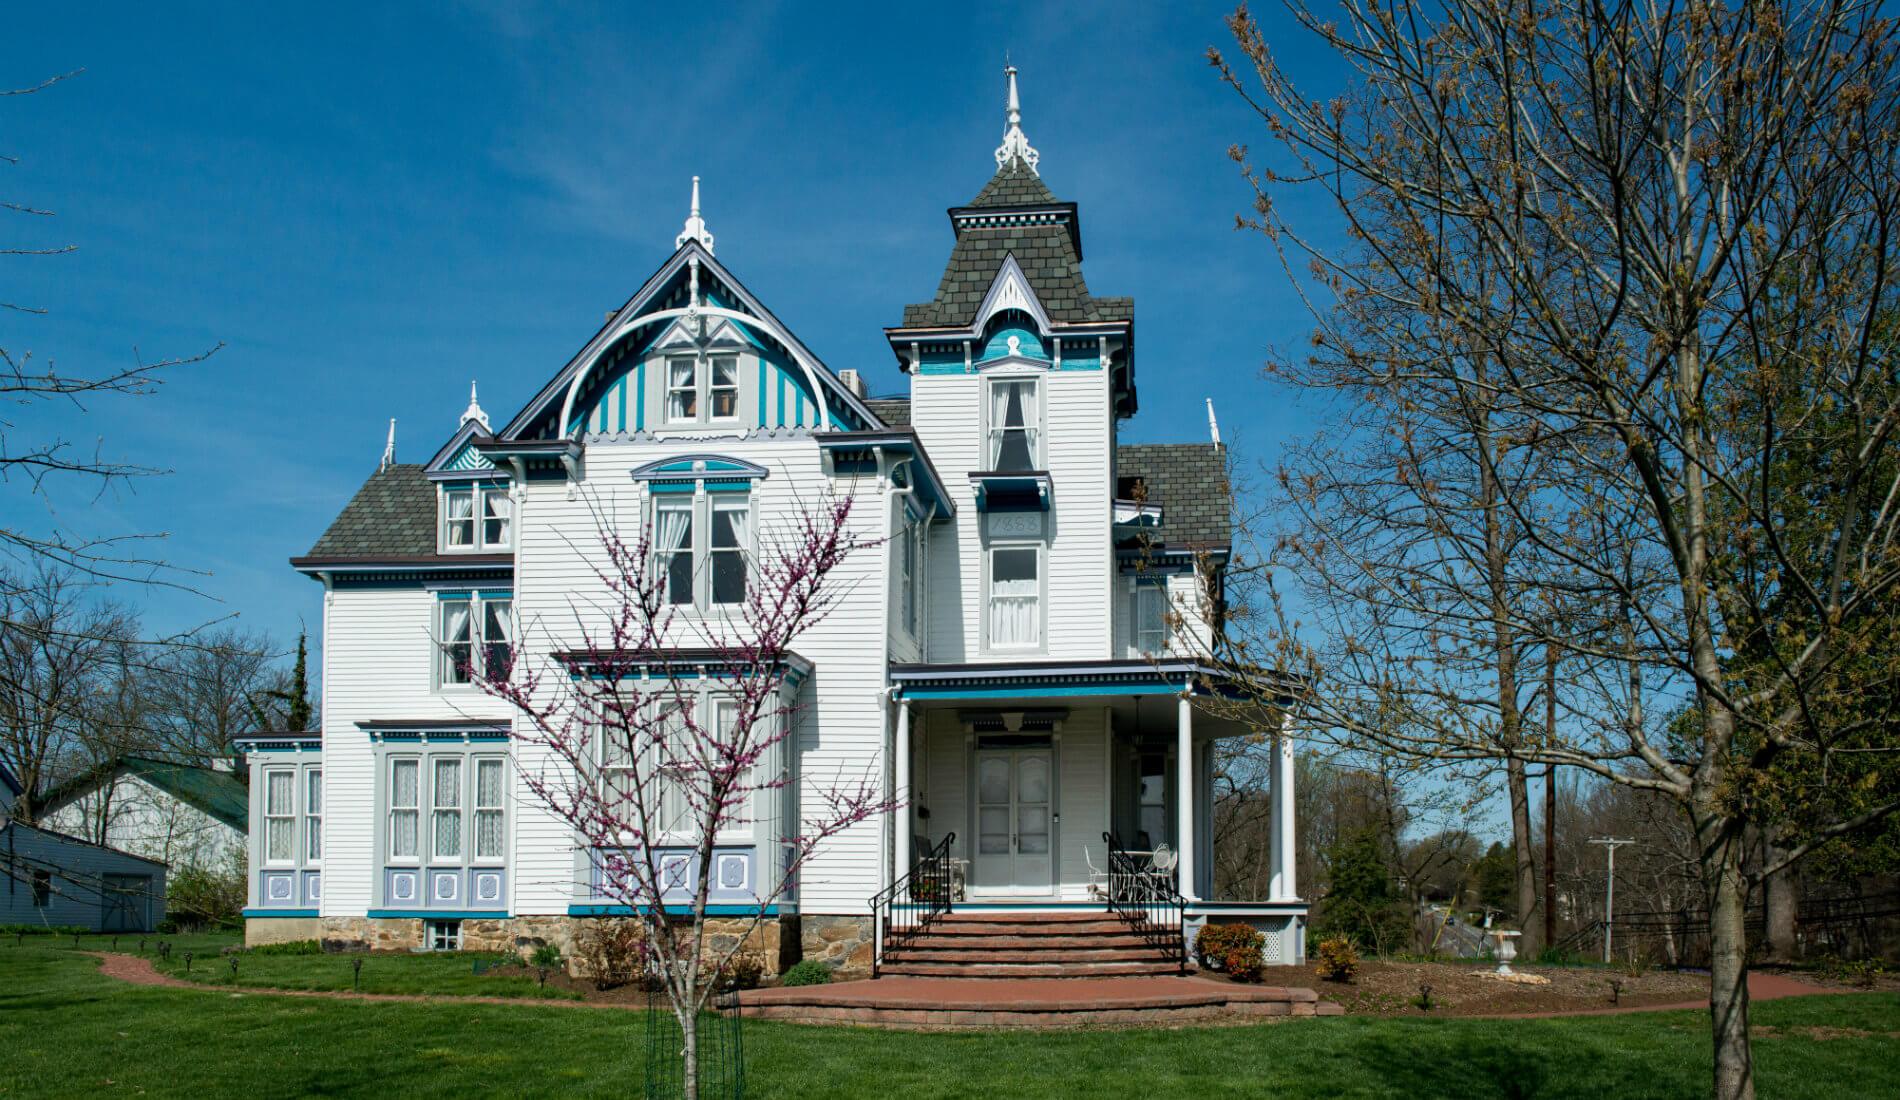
1189, 481
1014, 184
1047, 253
893, 411
393, 514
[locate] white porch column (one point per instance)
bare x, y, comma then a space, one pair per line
1281, 884
900, 785
1184, 791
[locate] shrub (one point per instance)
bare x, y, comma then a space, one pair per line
611, 950
808, 972
1338, 960
289, 947
1216, 940
1244, 961
197, 897
742, 971
546, 957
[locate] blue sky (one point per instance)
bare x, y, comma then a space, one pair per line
371, 206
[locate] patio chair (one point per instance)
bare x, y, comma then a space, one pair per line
1163, 863
1098, 876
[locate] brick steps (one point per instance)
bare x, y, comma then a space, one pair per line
994, 946
924, 1003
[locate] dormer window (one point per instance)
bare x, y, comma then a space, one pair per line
702, 389
1014, 425
476, 517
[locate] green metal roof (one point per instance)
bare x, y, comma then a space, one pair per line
220, 794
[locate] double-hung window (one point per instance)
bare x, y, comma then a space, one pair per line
474, 628
489, 811
313, 815
445, 801
699, 389
405, 807
1014, 425
700, 548
1150, 623
674, 761
280, 815
477, 517
1015, 597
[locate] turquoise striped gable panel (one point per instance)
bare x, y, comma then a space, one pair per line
470, 460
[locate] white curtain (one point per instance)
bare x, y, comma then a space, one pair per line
741, 524
499, 507
498, 630
1013, 613
459, 648
402, 818
461, 518
673, 527
488, 831
279, 792
999, 418
447, 793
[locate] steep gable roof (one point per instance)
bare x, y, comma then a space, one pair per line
1014, 184
893, 411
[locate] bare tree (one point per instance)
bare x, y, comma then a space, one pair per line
1673, 232
37, 459
623, 751
223, 683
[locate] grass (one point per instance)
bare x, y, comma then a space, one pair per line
67, 1030
445, 974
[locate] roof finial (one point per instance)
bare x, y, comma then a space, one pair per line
474, 411
695, 229
1213, 425
1015, 145
389, 449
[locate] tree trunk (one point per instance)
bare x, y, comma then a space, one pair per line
689, 1055
1522, 845
1728, 955
1782, 903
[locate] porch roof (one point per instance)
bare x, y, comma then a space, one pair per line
1067, 679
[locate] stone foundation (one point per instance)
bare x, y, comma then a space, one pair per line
372, 934
259, 931
842, 943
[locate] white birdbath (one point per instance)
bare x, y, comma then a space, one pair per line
1507, 950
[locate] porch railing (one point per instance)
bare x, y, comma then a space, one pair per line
904, 909
1147, 899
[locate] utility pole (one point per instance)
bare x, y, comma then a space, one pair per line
1609, 888
1550, 798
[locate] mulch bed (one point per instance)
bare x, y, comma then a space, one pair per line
1467, 989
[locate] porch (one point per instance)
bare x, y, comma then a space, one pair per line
1027, 770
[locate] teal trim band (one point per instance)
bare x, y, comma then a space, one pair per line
672, 910
670, 487
438, 914
640, 399
280, 913
761, 391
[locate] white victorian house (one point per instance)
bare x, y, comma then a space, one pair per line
1022, 657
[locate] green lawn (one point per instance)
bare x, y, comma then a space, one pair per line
65, 1031
444, 974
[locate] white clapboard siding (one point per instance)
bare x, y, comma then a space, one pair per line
146, 821
378, 663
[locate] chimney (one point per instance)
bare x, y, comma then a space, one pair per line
853, 381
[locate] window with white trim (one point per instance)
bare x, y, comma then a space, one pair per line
445, 808
472, 627
476, 517
1013, 618
701, 548
405, 807
490, 814
1149, 623
313, 815
280, 815
445, 935
702, 389
1015, 424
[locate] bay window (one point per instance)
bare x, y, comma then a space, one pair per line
1014, 425
1015, 597
280, 815
1149, 622
313, 815
445, 817
404, 807
489, 813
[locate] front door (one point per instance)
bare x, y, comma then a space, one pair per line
1015, 853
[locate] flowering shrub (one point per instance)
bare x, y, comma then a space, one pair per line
1244, 961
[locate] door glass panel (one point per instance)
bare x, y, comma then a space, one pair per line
993, 781
993, 831
1032, 832
1033, 780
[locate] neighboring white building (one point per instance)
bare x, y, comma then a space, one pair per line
178, 814
1020, 658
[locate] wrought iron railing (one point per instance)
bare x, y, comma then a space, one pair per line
1146, 897
904, 910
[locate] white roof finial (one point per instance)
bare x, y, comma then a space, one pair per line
474, 411
1213, 425
695, 229
1015, 145
389, 449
